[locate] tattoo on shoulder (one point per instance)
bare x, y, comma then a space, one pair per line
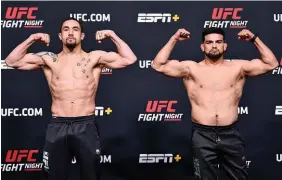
52, 55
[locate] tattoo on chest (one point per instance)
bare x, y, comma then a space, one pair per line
84, 63
50, 54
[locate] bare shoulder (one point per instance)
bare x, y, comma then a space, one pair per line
237, 62
97, 53
46, 56
189, 63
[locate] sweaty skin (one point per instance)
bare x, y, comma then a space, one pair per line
214, 85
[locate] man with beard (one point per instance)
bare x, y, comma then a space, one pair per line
214, 87
73, 76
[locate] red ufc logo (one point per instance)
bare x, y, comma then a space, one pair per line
223, 13
281, 62
19, 12
18, 155
157, 106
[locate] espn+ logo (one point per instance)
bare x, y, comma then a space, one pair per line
158, 158
156, 17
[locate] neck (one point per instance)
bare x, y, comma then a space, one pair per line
76, 50
213, 62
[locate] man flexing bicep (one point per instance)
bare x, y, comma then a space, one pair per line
172, 68
113, 60
266, 63
20, 59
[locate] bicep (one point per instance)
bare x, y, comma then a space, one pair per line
175, 68
29, 62
112, 60
255, 67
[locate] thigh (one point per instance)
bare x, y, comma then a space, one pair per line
204, 156
233, 164
56, 155
87, 149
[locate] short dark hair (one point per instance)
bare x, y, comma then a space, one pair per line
212, 31
70, 18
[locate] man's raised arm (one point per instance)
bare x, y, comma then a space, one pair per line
266, 63
19, 58
113, 60
172, 68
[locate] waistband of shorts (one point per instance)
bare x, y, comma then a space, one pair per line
217, 128
72, 119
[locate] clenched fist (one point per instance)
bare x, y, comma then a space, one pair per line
45, 38
245, 34
181, 35
101, 35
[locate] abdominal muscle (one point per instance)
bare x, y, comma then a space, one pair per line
72, 98
214, 107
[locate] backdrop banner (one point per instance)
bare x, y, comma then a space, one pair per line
140, 111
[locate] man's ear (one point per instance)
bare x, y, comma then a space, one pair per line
225, 46
202, 47
82, 36
60, 36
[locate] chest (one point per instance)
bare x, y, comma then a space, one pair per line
73, 68
216, 77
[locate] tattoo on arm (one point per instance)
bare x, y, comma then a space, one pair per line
52, 55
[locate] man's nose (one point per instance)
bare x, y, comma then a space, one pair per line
70, 33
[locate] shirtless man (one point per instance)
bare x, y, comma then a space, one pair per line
73, 77
214, 87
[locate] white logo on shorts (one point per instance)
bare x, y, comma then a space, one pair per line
45, 160
98, 151
197, 171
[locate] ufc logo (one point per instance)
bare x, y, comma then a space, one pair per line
153, 17
19, 12
19, 155
157, 106
223, 13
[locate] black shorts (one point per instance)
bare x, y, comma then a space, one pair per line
218, 153
69, 137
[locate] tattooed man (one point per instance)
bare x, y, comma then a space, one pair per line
73, 77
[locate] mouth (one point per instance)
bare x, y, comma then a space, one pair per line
70, 38
214, 51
